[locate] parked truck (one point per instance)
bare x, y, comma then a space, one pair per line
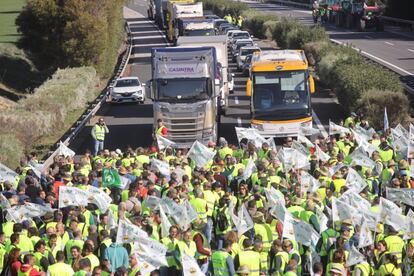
280, 88
179, 11
219, 42
184, 92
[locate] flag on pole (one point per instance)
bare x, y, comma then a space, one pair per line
160, 166
365, 236
164, 142
65, 151
165, 223
7, 174
110, 178
242, 220
190, 266
355, 257
200, 154
386, 123
337, 129
128, 232
250, 168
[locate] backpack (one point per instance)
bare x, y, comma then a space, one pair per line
222, 221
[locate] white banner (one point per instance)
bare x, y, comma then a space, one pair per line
299, 147
354, 181
65, 151
145, 268
323, 220
273, 196
151, 250
365, 236
19, 213
360, 158
403, 195
165, 223
303, 140
200, 154
300, 231
242, 220
72, 196
354, 257
152, 202
308, 131
390, 213
309, 183
409, 226
98, 197
324, 157
7, 174
252, 135
160, 166
128, 233
190, 266
337, 129
164, 143
250, 168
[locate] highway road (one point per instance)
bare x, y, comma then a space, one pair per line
393, 48
131, 124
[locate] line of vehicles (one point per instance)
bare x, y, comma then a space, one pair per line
191, 82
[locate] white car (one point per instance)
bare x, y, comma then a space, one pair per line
231, 83
128, 89
238, 35
243, 53
238, 44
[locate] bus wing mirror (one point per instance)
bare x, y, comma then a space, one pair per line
148, 90
311, 84
249, 87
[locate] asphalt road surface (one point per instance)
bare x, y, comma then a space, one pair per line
131, 124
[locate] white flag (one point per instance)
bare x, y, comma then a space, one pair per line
5, 204
242, 220
65, 151
152, 202
409, 226
324, 157
354, 257
7, 174
252, 135
302, 232
164, 143
403, 195
279, 211
299, 147
273, 196
98, 197
128, 233
323, 220
190, 266
365, 236
342, 211
145, 268
354, 181
72, 196
360, 158
165, 223
309, 183
151, 250
271, 143
303, 140
250, 168
111, 220
308, 131
190, 215
337, 129
20, 213
160, 166
200, 154
390, 213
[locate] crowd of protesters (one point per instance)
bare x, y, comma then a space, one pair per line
81, 240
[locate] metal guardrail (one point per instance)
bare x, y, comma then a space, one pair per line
398, 21
291, 3
95, 106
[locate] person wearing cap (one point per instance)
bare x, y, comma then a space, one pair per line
385, 151
243, 271
337, 269
295, 207
98, 133
350, 121
222, 262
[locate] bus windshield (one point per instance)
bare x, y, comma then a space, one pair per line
280, 95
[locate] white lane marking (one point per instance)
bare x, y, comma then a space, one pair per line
389, 43
151, 45
236, 100
239, 121
369, 37
141, 55
377, 58
319, 124
149, 36
411, 50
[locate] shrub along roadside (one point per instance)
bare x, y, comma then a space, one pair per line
43, 113
354, 80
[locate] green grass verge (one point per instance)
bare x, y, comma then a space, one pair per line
9, 10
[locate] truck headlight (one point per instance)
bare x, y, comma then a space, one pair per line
210, 117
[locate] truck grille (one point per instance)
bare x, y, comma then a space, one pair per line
185, 128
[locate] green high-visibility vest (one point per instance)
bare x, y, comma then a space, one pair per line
99, 132
219, 260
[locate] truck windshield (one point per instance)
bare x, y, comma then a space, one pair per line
127, 82
184, 89
203, 32
280, 95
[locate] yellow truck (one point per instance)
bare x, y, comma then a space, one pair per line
280, 88
181, 9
